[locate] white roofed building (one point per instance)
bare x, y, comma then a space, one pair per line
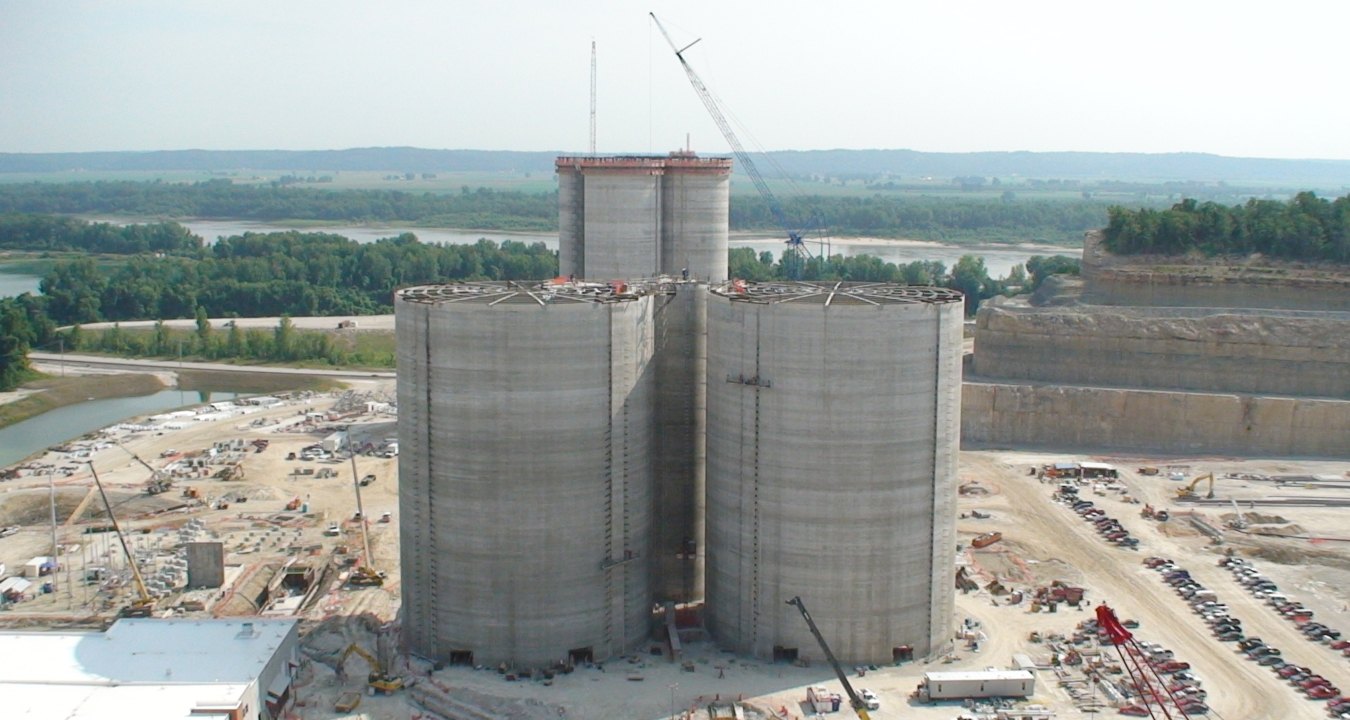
152, 670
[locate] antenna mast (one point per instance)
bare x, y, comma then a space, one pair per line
592, 97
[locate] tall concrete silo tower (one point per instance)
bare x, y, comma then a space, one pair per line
525, 473
833, 423
641, 216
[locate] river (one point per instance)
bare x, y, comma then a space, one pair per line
12, 284
22, 439
998, 259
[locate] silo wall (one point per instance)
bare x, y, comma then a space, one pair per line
681, 386
831, 466
571, 221
694, 222
622, 213
525, 483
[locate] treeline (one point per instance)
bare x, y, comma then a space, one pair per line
47, 233
161, 272
283, 343
288, 273
480, 208
937, 218
1305, 228
969, 274
932, 217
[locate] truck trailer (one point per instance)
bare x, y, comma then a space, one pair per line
976, 684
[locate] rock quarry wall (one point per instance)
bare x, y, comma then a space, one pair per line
1241, 351
1063, 417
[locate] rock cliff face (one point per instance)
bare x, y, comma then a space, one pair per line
1065, 416
1168, 354
1245, 351
1248, 282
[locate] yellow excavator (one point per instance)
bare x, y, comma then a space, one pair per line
379, 680
1188, 492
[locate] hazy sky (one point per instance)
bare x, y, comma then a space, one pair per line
1238, 77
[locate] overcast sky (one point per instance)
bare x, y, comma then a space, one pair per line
1239, 77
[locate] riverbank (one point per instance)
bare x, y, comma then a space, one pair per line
49, 393
53, 392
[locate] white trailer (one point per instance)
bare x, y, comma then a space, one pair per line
822, 700
977, 684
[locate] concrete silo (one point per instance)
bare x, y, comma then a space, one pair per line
525, 477
833, 429
695, 208
635, 216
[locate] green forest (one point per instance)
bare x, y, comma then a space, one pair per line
1305, 228
1005, 218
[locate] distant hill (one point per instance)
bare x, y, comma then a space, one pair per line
902, 164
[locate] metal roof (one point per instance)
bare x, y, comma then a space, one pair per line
163, 668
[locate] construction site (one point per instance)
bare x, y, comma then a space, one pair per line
644, 489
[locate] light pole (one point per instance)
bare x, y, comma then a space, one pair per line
673, 687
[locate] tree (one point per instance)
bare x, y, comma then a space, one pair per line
14, 369
203, 331
970, 277
283, 339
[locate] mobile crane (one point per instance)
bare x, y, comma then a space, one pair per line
854, 700
796, 246
159, 480
365, 574
1155, 694
144, 604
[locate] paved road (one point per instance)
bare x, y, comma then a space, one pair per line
131, 365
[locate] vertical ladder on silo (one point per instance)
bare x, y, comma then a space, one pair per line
754, 538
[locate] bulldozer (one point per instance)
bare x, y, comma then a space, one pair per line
379, 680
1188, 492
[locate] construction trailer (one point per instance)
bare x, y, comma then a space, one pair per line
976, 684
823, 700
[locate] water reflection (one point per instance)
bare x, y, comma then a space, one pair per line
22, 439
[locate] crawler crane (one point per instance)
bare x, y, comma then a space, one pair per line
144, 604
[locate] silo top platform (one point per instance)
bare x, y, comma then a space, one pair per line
678, 162
559, 290
836, 293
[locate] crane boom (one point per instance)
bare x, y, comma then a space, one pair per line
146, 601
859, 706
794, 240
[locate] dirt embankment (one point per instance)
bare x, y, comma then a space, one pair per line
53, 393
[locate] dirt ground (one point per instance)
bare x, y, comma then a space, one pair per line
1042, 541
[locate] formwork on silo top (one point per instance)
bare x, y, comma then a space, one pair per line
832, 424
525, 472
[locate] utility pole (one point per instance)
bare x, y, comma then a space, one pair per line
56, 550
